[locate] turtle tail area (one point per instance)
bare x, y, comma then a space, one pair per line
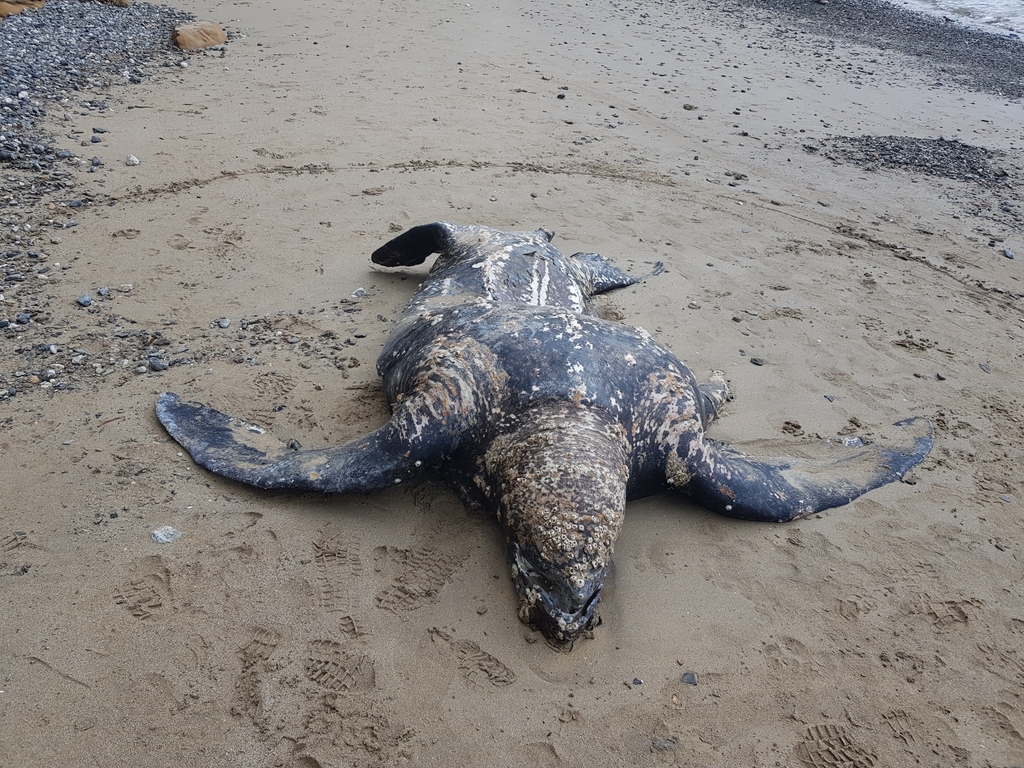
249, 454
778, 483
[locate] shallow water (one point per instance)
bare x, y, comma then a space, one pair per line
999, 16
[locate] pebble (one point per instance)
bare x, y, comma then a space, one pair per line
157, 364
689, 678
85, 300
985, 367
662, 745
132, 160
1007, 253
165, 534
830, 398
1005, 499
103, 291
757, 361
224, 322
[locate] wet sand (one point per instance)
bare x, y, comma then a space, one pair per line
298, 630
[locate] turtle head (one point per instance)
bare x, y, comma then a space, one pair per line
559, 602
558, 483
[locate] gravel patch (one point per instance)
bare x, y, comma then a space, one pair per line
989, 180
934, 157
971, 58
65, 56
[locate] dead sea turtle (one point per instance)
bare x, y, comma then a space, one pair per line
500, 377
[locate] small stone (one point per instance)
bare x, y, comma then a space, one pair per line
830, 398
95, 139
693, 305
103, 291
132, 160
165, 534
689, 678
659, 744
141, 369
637, 681
125, 287
757, 361
494, 199
157, 364
1005, 499
55, 240
24, 318
985, 368
85, 300
1007, 253
939, 377
224, 322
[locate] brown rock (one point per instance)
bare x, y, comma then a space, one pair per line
11, 7
198, 34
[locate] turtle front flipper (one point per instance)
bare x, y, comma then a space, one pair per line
788, 482
251, 455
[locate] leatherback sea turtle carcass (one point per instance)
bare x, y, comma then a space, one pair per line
501, 378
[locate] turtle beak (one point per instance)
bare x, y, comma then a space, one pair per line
549, 604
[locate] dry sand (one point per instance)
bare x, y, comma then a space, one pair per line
297, 630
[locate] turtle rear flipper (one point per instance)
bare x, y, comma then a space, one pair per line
249, 454
413, 246
791, 481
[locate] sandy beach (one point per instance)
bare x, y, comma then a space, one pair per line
877, 278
